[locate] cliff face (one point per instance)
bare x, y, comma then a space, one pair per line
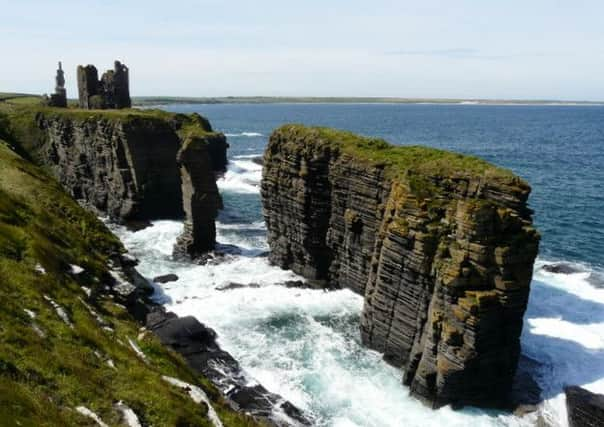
124, 164
440, 245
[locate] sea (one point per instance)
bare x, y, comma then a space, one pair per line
304, 344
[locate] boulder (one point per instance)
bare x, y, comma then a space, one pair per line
165, 278
585, 409
197, 344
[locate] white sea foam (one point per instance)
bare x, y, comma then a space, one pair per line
243, 134
300, 343
304, 344
242, 176
248, 156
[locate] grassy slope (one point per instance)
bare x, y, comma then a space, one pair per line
20, 121
42, 379
418, 166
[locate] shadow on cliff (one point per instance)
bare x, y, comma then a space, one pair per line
555, 362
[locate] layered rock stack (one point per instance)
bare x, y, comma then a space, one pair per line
112, 91
440, 245
201, 199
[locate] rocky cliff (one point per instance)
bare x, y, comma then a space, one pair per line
440, 245
72, 353
124, 164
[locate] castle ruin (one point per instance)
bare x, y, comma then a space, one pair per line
112, 91
59, 98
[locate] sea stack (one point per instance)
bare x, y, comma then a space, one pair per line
441, 246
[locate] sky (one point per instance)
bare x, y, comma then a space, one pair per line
513, 49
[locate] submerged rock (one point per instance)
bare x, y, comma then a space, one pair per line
233, 285
258, 160
560, 268
585, 409
166, 278
440, 245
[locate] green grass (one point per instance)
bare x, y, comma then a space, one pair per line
22, 130
43, 378
19, 98
419, 168
397, 159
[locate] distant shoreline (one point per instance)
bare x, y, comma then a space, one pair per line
164, 100
156, 101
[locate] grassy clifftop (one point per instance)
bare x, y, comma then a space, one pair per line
397, 160
61, 348
21, 120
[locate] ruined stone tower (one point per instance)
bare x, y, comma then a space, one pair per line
59, 98
111, 91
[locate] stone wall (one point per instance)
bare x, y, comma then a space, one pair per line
112, 91
441, 247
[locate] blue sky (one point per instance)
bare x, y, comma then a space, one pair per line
516, 49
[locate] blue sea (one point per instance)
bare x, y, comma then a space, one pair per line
304, 344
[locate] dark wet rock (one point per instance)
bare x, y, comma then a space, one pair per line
442, 255
137, 225
258, 160
561, 268
525, 393
129, 260
302, 284
166, 278
231, 286
585, 409
596, 279
197, 344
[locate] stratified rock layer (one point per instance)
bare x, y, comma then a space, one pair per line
201, 199
128, 164
440, 245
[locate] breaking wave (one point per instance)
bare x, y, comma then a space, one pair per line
243, 134
304, 344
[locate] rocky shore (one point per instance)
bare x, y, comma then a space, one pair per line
128, 166
440, 245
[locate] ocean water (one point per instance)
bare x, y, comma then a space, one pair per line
304, 344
